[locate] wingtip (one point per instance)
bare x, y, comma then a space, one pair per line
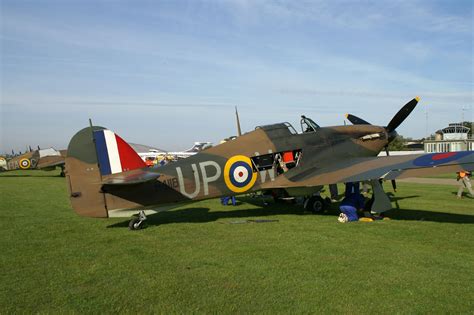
417, 98
346, 115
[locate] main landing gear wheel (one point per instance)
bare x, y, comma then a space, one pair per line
137, 223
315, 204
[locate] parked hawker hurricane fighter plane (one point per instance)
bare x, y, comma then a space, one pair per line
44, 159
106, 176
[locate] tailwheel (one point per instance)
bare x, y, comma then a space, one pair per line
138, 222
315, 204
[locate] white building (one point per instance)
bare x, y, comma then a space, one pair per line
450, 139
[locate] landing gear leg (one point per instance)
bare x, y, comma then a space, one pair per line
381, 201
137, 223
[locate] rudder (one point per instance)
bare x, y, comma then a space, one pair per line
96, 153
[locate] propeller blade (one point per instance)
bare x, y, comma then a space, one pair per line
394, 183
356, 120
402, 114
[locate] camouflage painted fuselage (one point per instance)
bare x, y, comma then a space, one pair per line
273, 157
209, 173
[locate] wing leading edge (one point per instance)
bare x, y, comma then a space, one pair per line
369, 168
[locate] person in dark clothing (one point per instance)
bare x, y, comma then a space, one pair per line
352, 202
352, 188
225, 200
334, 192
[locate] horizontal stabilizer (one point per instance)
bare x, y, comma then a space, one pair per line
131, 178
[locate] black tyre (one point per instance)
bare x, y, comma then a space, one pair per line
316, 205
135, 224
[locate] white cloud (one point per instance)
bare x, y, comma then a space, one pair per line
361, 15
143, 64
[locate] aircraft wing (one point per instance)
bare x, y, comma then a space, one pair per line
50, 161
361, 169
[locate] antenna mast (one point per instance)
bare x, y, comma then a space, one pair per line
239, 131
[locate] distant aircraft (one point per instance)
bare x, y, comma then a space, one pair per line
3, 164
23, 161
44, 159
49, 159
105, 176
160, 157
196, 148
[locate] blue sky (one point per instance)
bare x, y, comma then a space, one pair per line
168, 73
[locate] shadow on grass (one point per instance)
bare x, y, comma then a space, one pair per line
28, 175
465, 194
15, 175
424, 215
431, 216
204, 215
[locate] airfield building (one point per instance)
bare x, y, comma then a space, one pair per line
453, 138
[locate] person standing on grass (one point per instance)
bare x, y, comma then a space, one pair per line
464, 179
334, 192
225, 200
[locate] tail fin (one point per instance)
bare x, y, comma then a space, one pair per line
94, 154
114, 154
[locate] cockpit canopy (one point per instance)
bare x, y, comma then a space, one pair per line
308, 125
286, 129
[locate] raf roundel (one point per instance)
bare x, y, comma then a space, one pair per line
25, 164
435, 159
238, 174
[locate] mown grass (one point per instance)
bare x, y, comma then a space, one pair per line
194, 260
447, 175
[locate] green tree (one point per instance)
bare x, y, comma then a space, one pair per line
398, 144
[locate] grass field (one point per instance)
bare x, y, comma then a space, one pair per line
448, 175
193, 260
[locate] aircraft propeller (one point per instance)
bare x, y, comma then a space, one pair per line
356, 120
396, 121
402, 114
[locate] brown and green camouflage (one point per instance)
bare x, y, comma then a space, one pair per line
273, 157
